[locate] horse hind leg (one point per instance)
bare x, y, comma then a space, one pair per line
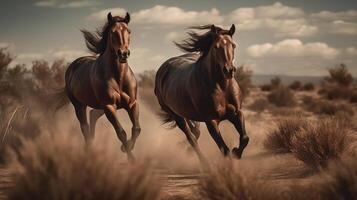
183, 125
94, 115
82, 118
195, 128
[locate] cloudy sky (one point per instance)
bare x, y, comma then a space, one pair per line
290, 37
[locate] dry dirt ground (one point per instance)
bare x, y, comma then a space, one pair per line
175, 162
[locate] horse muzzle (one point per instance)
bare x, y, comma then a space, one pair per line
123, 55
229, 72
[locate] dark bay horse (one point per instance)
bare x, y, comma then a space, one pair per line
105, 83
199, 87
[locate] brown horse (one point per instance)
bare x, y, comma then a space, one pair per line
105, 83
199, 87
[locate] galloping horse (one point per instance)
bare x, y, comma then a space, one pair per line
199, 87
105, 83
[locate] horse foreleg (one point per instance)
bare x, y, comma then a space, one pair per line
94, 115
109, 111
239, 124
182, 124
213, 129
133, 113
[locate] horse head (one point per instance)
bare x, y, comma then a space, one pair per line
119, 36
222, 50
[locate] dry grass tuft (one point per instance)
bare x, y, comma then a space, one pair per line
296, 85
280, 139
308, 87
243, 75
340, 181
58, 167
314, 143
353, 98
321, 142
330, 108
281, 97
259, 105
265, 87
229, 183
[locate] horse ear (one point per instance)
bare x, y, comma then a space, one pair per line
127, 18
232, 30
213, 29
109, 17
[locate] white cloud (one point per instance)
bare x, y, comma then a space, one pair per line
278, 10
351, 51
66, 3
165, 15
68, 55
291, 48
281, 19
6, 45
350, 15
343, 27
102, 14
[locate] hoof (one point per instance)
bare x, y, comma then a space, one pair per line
131, 157
123, 149
237, 153
130, 146
225, 152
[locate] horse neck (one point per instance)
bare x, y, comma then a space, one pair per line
208, 68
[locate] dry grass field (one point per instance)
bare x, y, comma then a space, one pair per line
303, 145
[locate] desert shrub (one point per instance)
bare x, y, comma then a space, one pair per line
282, 96
353, 98
227, 182
308, 100
324, 107
60, 168
243, 76
340, 181
279, 140
321, 142
147, 79
308, 87
24, 97
275, 82
337, 92
296, 85
338, 84
315, 143
265, 87
340, 75
259, 105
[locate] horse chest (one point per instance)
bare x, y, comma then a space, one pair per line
221, 104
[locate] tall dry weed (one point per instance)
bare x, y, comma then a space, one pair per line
59, 167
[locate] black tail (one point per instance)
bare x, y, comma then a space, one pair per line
167, 118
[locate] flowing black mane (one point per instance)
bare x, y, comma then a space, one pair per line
96, 41
200, 42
